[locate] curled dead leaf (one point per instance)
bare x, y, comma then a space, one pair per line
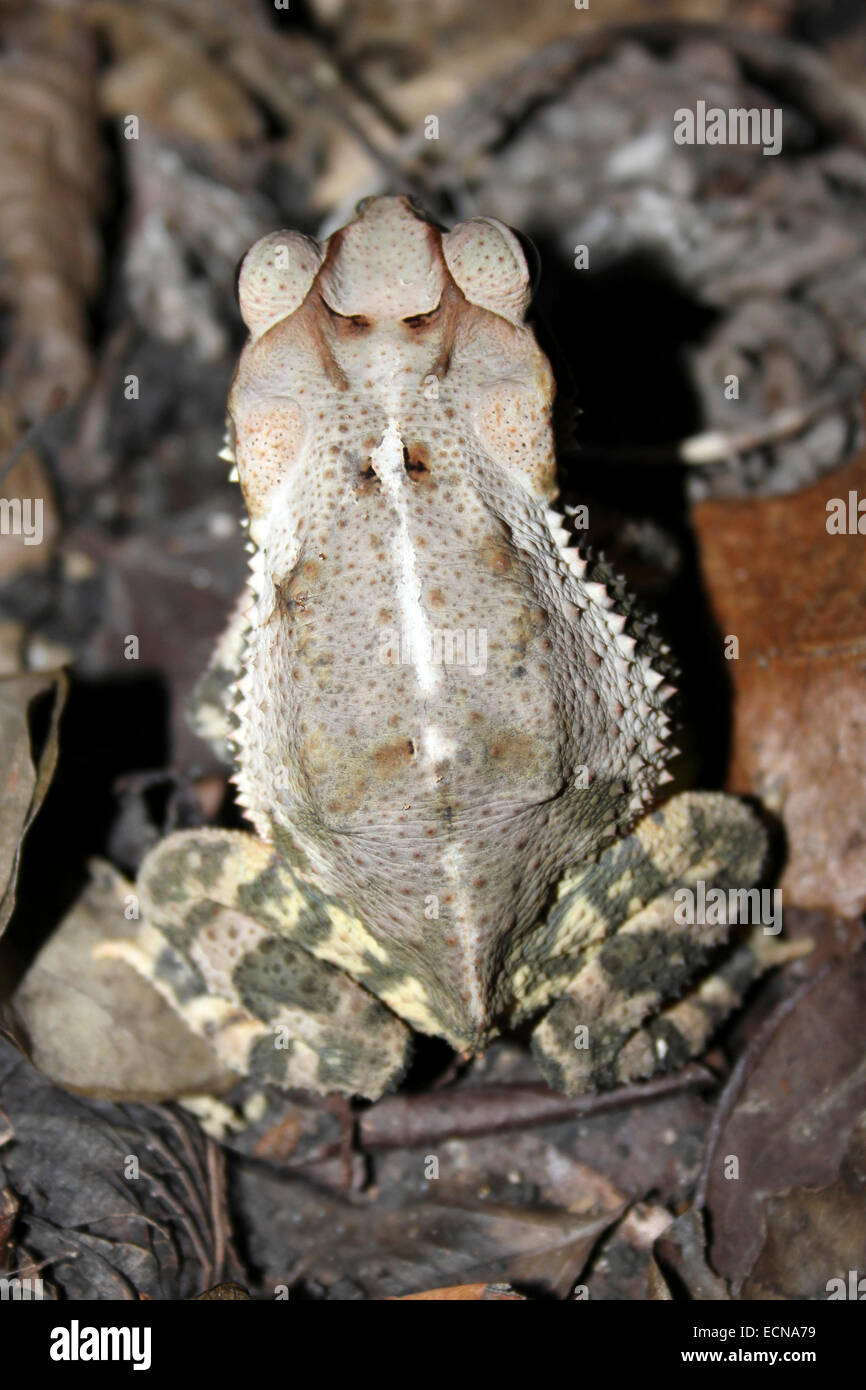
794, 595
785, 1130
26, 768
94, 1025
464, 1293
114, 1202
51, 198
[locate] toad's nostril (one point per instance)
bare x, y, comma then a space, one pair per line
421, 320
349, 320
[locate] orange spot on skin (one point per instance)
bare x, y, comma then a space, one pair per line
391, 758
496, 556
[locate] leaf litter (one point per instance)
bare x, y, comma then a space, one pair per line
244, 128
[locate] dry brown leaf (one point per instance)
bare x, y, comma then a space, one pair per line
25, 772
814, 1236
95, 1025
658, 1289
513, 1169
393, 1243
681, 1250
27, 540
784, 1125
423, 58
223, 1293
623, 1260
464, 1293
115, 1201
795, 597
164, 74
534, 1247
51, 197
218, 76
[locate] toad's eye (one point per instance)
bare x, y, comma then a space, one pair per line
419, 320
357, 320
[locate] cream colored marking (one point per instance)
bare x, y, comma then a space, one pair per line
349, 943
234, 1041
348, 947
706, 869
409, 1000
303, 1067
216, 953
387, 461
619, 885
255, 1108
436, 746
210, 723
581, 925
142, 953
716, 990
534, 997
579, 934
289, 909
436, 749
215, 1117
455, 877
208, 1014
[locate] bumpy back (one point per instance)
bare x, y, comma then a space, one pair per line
441, 702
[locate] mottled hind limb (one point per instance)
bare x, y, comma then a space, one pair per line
222, 939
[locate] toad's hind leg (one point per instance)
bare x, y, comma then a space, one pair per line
222, 939
622, 950
682, 1029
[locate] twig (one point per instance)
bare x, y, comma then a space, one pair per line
405, 1122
